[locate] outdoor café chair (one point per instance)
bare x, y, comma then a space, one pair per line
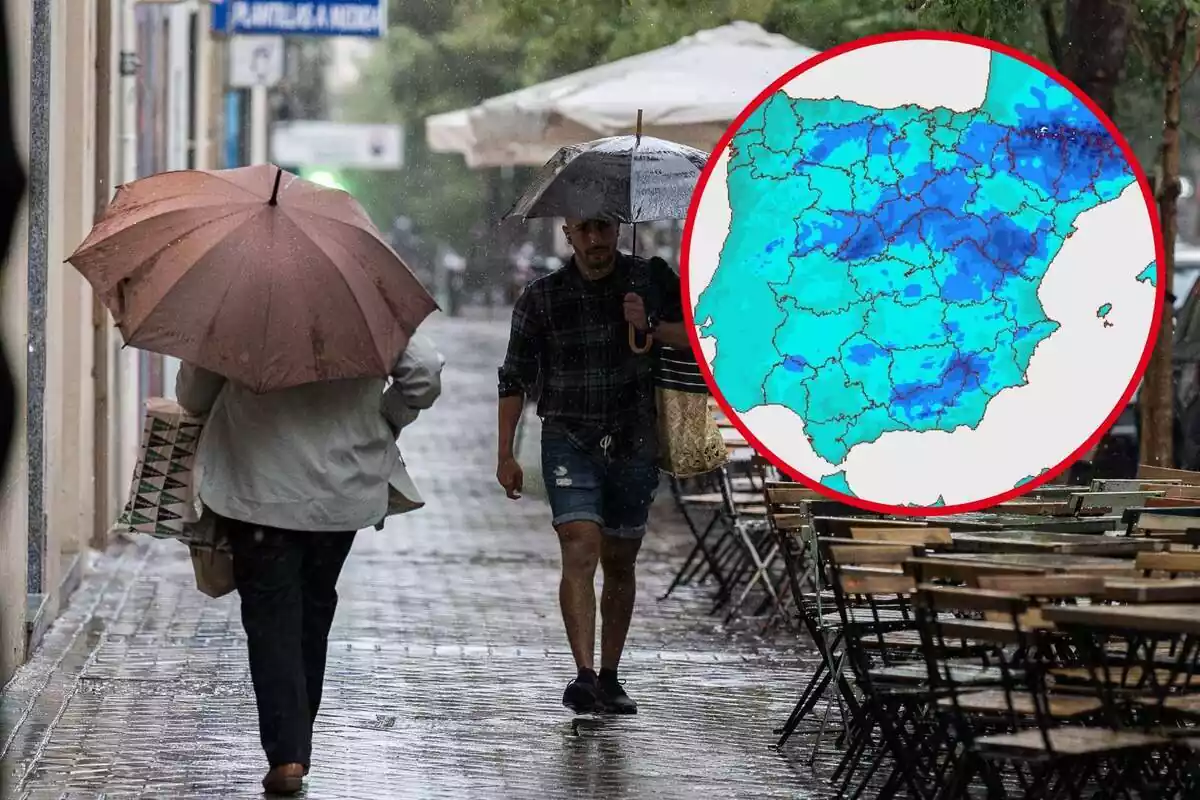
1019, 734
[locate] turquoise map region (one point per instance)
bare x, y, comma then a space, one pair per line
1031, 478
1149, 274
882, 266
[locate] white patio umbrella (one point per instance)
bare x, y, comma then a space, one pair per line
690, 91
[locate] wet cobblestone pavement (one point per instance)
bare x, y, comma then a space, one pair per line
446, 667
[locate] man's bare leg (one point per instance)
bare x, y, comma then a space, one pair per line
618, 558
580, 543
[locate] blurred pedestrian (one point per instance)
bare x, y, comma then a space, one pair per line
599, 439
293, 475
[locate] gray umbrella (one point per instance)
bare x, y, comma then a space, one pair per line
627, 179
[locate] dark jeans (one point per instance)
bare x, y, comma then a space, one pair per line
616, 494
287, 582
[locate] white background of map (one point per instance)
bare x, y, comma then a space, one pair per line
1075, 377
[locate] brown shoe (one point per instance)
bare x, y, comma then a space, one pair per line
286, 779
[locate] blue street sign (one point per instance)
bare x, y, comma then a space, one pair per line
300, 17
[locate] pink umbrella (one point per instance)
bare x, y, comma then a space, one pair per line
255, 274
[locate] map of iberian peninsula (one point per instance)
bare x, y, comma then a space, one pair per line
892, 257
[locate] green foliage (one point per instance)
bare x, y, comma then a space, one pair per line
1142, 88
564, 36
822, 24
1016, 23
441, 55
1012, 22
567, 35
437, 56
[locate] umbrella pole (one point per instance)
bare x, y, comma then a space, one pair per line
633, 334
275, 191
637, 142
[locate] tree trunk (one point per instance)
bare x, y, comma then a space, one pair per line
1157, 394
1094, 42
1090, 51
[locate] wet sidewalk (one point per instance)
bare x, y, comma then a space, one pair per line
446, 667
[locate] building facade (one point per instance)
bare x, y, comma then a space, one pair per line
104, 91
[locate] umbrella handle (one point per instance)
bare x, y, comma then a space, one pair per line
633, 337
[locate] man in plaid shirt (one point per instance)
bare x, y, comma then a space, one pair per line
599, 440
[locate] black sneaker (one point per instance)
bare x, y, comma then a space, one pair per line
612, 695
583, 694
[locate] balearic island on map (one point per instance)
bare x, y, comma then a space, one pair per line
883, 267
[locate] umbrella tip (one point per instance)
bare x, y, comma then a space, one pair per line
639, 126
274, 201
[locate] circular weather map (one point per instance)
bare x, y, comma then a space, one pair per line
922, 272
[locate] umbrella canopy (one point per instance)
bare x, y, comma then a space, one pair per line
255, 274
691, 92
628, 179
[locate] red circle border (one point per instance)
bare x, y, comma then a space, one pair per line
724, 143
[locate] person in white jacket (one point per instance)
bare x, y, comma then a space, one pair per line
292, 476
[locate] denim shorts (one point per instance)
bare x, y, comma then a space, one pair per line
616, 494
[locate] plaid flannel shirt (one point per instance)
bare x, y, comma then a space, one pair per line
571, 334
